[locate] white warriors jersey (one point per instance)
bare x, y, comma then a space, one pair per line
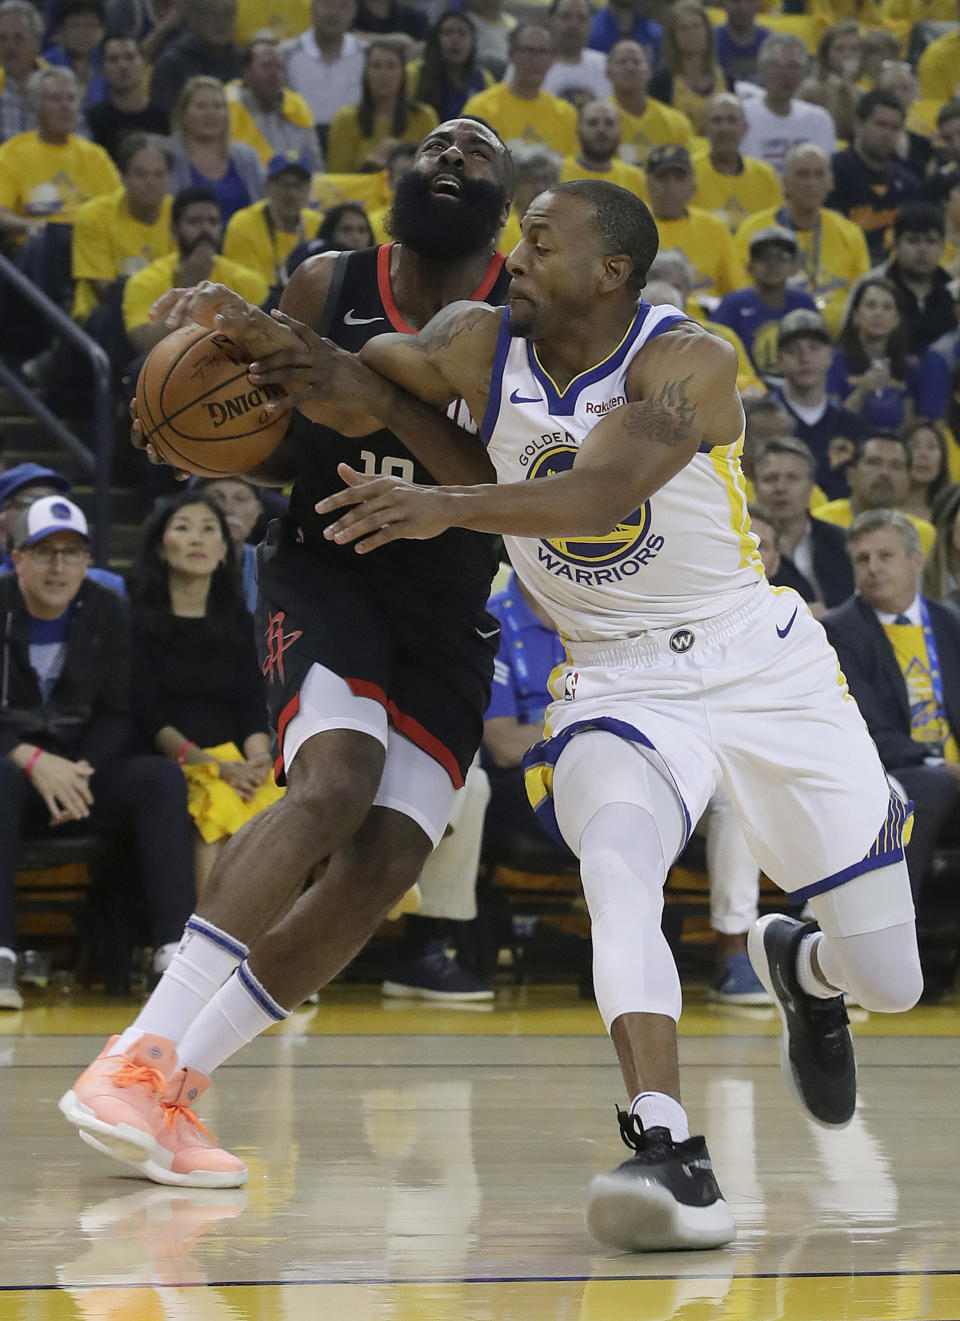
687, 554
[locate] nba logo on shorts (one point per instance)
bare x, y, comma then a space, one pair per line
570, 685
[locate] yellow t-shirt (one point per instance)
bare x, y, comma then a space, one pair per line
840, 514
243, 126
620, 173
918, 11
707, 244
108, 243
547, 120
143, 289
378, 223
370, 190
347, 148
284, 18
939, 67
510, 235
866, 12
252, 241
928, 724
658, 124
47, 182
733, 197
831, 264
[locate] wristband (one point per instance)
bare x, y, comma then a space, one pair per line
182, 751
32, 760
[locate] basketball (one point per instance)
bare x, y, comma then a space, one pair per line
198, 409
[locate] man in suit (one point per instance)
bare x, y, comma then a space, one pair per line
784, 480
901, 657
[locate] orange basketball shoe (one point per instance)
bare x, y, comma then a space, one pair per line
117, 1098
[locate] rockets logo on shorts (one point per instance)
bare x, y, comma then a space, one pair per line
618, 554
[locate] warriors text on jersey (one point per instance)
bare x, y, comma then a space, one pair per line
360, 306
687, 554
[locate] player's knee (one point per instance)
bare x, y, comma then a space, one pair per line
334, 791
884, 987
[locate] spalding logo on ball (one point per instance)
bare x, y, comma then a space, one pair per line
198, 409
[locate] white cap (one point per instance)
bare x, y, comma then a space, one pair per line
49, 514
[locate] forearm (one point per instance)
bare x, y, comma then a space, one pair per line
256, 745
11, 223
576, 503
506, 740
173, 743
450, 454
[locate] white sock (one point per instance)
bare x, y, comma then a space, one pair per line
7, 953
810, 981
240, 1011
657, 1110
204, 959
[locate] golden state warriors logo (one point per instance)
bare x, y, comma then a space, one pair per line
617, 553
615, 545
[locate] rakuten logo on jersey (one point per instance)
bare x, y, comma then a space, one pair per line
598, 410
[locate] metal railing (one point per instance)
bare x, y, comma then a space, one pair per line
95, 459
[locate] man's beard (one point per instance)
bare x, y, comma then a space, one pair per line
446, 229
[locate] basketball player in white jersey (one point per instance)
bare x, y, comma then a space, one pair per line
615, 429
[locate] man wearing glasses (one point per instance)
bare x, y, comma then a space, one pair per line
65, 725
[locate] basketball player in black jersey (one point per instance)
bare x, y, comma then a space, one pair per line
377, 671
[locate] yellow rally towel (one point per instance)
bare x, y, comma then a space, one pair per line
218, 810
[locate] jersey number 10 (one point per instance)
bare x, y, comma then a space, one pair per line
387, 466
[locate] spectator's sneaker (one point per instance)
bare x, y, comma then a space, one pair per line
435, 976
738, 984
665, 1196
116, 1100
10, 997
185, 1153
816, 1053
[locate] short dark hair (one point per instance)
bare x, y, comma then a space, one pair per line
132, 143
878, 97
188, 197
950, 111
623, 222
261, 38
919, 218
861, 443
67, 9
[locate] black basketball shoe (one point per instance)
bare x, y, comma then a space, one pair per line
816, 1053
664, 1197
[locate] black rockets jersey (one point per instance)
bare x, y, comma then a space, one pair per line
360, 305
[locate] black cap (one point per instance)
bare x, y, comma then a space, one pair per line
801, 321
670, 156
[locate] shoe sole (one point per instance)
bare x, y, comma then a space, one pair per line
11, 1001
638, 1216
122, 1141
756, 949
156, 1173
398, 991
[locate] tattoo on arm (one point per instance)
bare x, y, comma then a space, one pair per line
666, 417
448, 326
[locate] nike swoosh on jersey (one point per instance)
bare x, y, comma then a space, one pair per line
492, 634
351, 319
517, 398
782, 632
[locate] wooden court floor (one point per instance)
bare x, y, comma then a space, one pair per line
417, 1164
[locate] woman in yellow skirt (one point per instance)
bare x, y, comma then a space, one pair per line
197, 686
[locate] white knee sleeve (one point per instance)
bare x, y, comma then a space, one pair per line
880, 969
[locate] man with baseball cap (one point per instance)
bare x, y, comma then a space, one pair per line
703, 238
20, 486
804, 354
65, 725
262, 236
755, 313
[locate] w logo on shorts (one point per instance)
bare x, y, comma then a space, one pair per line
277, 643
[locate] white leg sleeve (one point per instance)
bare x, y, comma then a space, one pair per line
448, 882
869, 944
625, 846
733, 871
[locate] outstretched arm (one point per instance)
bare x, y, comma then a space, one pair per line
683, 394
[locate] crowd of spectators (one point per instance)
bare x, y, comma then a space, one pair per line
802, 161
